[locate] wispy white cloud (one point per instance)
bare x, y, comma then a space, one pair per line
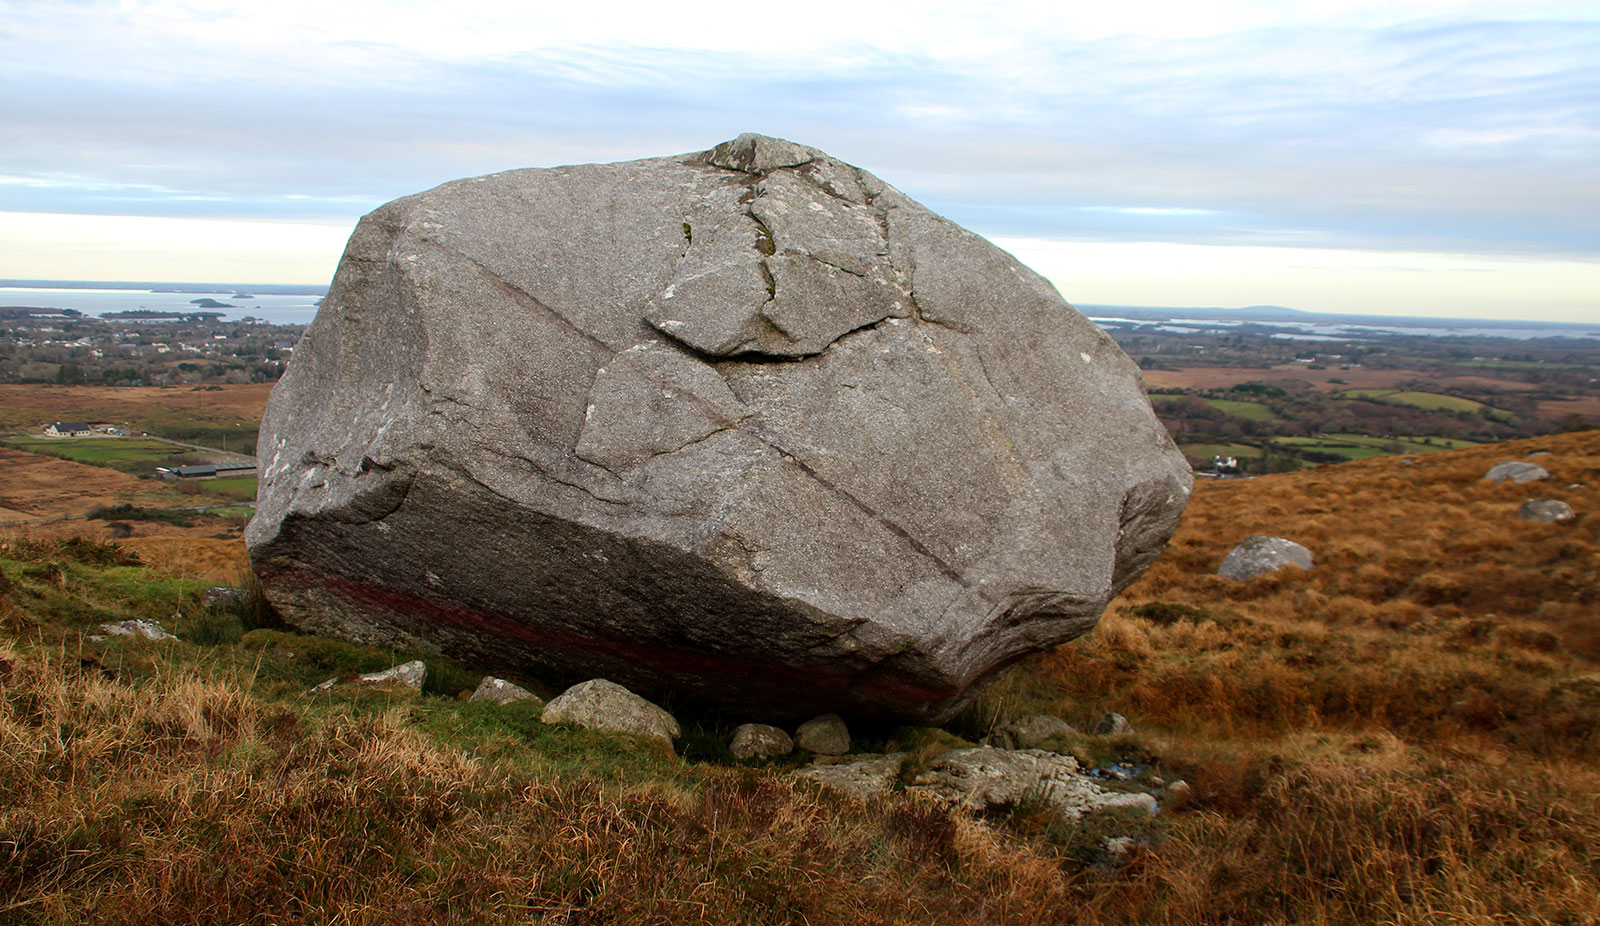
1423, 125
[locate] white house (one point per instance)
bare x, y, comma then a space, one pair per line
68, 429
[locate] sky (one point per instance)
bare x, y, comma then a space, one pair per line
1411, 157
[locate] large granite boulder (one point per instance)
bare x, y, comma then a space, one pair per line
748, 424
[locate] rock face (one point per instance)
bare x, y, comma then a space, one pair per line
1259, 555
1516, 471
1546, 510
748, 424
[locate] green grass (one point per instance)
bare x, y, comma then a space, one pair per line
127, 454
1254, 411
1428, 401
242, 488
1409, 443
1347, 449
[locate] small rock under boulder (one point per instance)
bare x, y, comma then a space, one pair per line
1516, 471
1546, 511
746, 424
604, 705
1261, 554
1028, 732
759, 741
826, 736
500, 691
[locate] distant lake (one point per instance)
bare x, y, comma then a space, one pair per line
279, 310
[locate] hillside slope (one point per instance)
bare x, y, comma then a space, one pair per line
1407, 733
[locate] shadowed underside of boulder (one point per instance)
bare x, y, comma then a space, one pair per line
748, 424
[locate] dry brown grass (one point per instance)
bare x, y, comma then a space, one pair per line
33, 405
185, 799
1406, 734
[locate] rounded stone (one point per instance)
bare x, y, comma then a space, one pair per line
1546, 511
599, 704
826, 736
1261, 554
1516, 471
759, 741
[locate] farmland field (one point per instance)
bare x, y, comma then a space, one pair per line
1427, 400
133, 455
1254, 411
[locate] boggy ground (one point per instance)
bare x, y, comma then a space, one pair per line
1405, 734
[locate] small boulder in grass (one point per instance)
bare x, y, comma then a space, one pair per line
599, 704
1546, 511
1028, 732
759, 741
500, 691
1261, 554
409, 675
149, 630
825, 736
1516, 471
1111, 724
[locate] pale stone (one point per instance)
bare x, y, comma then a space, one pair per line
1546, 511
1028, 732
747, 424
604, 705
759, 741
826, 736
1516, 471
149, 630
500, 691
1260, 554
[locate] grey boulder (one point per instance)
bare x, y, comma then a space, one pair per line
1259, 555
599, 704
1111, 724
499, 691
826, 736
1546, 511
1028, 732
747, 424
759, 741
1516, 471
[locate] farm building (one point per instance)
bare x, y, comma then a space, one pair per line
68, 429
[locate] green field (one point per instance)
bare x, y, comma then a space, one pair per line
128, 454
1254, 411
1410, 444
1347, 449
1429, 401
242, 488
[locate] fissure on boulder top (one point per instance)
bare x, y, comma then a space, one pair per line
747, 424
